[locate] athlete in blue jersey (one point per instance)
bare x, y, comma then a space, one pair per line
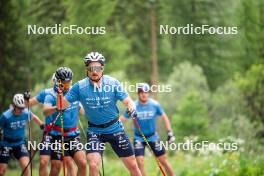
70, 126
148, 110
46, 152
13, 122
99, 94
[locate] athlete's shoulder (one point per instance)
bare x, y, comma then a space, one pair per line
81, 84
51, 93
110, 80
8, 113
48, 90
154, 102
43, 91
42, 94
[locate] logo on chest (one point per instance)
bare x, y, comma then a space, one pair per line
98, 102
18, 124
144, 115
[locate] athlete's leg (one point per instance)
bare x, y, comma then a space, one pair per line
131, 164
94, 160
21, 154
80, 159
69, 165
94, 151
140, 162
3, 168
78, 155
160, 153
123, 148
23, 161
55, 167
43, 165
56, 157
139, 148
45, 157
4, 157
165, 163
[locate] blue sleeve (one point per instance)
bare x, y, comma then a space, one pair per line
160, 110
49, 100
125, 114
73, 94
41, 96
121, 93
2, 121
31, 115
80, 105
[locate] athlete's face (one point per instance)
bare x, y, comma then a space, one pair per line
94, 71
66, 86
143, 96
17, 110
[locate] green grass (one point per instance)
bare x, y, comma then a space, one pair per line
189, 165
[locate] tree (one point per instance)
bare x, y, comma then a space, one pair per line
13, 60
252, 87
42, 13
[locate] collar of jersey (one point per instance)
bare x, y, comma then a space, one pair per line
91, 83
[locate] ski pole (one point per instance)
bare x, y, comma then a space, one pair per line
29, 134
146, 141
62, 132
43, 138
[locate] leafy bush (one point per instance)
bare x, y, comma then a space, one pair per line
184, 79
252, 87
192, 116
187, 101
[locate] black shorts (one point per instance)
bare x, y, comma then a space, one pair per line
119, 142
46, 150
71, 147
156, 147
17, 151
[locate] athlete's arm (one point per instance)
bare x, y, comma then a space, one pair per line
65, 102
72, 96
129, 103
171, 138
48, 109
122, 118
166, 121
37, 120
81, 111
32, 102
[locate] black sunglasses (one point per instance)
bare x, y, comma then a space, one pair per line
95, 68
